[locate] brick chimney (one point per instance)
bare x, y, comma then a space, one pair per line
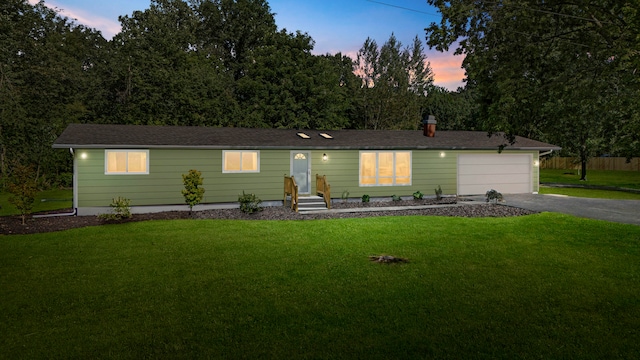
429, 126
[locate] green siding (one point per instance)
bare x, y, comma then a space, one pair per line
163, 184
428, 171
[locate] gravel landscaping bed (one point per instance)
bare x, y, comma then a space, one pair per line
12, 224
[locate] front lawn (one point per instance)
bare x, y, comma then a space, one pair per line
540, 286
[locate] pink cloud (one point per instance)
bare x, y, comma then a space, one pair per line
447, 69
107, 27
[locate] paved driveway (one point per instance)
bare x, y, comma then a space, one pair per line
622, 211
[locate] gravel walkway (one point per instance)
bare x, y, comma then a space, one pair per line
340, 210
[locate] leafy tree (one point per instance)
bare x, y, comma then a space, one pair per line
559, 72
46, 69
455, 110
156, 74
23, 189
288, 87
192, 191
394, 84
232, 30
219, 63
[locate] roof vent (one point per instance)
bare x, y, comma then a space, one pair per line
304, 136
326, 136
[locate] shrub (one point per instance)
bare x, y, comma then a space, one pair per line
249, 203
438, 191
64, 180
365, 198
395, 197
23, 189
493, 195
417, 195
345, 196
192, 193
120, 209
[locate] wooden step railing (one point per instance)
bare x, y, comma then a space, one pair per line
323, 188
291, 189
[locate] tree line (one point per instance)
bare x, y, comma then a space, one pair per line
193, 63
565, 73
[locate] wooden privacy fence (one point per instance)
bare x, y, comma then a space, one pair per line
600, 163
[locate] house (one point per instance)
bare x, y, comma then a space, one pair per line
145, 163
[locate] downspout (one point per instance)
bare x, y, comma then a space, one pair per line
73, 213
74, 182
544, 153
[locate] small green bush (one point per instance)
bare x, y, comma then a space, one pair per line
64, 181
120, 209
395, 197
345, 196
365, 198
249, 203
438, 191
493, 195
417, 195
23, 189
192, 193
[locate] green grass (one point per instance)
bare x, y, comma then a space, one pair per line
623, 179
53, 200
615, 179
590, 193
474, 288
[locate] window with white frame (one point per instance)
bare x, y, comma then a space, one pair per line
385, 168
240, 161
126, 162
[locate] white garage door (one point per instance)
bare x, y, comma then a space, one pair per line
506, 173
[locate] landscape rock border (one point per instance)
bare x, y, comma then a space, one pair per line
10, 225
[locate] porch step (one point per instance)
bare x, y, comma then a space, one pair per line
311, 203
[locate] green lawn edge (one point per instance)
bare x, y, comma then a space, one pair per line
539, 286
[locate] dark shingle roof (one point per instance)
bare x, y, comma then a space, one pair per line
139, 136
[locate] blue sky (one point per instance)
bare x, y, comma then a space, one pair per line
335, 25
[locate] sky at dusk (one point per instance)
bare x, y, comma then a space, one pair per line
334, 25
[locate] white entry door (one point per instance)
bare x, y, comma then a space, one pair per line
506, 173
301, 170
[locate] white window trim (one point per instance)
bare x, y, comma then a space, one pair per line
240, 171
106, 159
378, 168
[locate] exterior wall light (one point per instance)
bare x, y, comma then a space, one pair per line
83, 155
536, 163
324, 157
442, 154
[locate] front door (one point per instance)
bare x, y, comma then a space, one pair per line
301, 170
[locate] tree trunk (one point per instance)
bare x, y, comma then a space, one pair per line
3, 168
583, 162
